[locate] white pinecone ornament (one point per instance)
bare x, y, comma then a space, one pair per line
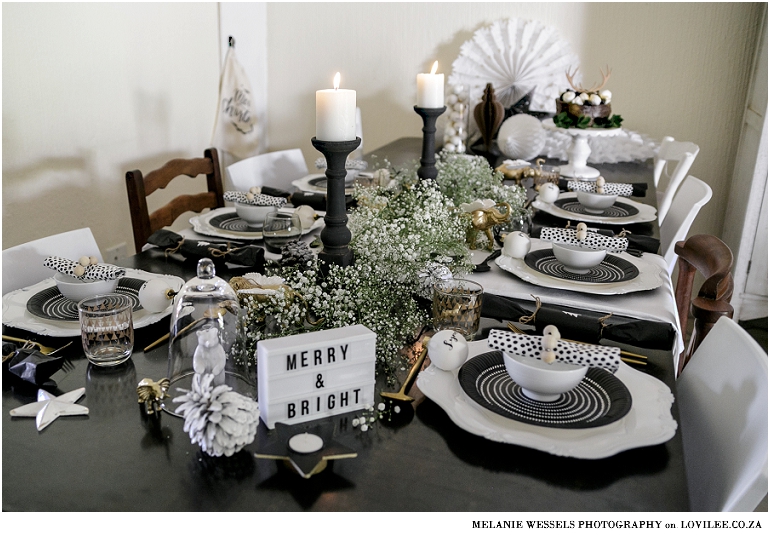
219, 420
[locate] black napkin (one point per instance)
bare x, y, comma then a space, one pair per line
646, 244
243, 255
640, 188
583, 325
32, 366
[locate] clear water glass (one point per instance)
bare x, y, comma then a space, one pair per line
279, 229
107, 328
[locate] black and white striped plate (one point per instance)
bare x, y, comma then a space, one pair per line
598, 400
619, 209
611, 269
233, 223
50, 304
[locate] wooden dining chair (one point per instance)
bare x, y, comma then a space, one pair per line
692, 195
139, 187
712, 258
681, 153
722, 398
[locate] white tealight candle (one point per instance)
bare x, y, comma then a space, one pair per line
335, 113
430, 89
306, 443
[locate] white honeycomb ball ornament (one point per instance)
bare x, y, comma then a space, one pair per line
521, 137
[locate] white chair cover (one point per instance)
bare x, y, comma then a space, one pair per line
683, 153
23, 264
276, 169
691, 196
722, 396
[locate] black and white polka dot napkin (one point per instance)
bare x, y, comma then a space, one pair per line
592, 240
526, 345
92, 272
259, 199
624, 190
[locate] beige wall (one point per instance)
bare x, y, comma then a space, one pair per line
678, 69
91, 91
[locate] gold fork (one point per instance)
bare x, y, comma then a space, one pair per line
626, 356
45, 350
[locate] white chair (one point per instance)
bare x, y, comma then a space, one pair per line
276, 169
23, 264
691, 196
722, 396
681, 152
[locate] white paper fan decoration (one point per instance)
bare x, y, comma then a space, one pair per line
516, 56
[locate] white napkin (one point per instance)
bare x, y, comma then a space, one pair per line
93, 272
593, 240
526, 345
260, 199
613, 188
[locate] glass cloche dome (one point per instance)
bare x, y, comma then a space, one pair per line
207, 335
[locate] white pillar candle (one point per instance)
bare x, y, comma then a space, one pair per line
430, 89
335, 113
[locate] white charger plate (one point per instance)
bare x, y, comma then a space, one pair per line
303, 184
649, 421
650, 276
646, 213
201, 225
15, 313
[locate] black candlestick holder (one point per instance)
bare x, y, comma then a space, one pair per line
336, 235
428, 161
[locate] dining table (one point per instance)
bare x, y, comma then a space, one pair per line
423, 455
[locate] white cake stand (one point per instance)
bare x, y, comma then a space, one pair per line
580, 150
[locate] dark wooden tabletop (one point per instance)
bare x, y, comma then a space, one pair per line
115, 459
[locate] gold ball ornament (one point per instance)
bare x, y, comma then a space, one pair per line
84, 261
79, 271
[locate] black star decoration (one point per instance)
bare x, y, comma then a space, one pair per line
305, 464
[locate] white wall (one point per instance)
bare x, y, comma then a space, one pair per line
678, 69
91, 91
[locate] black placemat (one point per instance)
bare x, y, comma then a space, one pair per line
232, 223
619, 209
611, 269
50, 304
599, 399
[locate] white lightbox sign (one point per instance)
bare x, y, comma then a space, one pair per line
313, 375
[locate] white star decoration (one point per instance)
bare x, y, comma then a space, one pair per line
48, 408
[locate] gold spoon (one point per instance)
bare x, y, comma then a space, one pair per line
407, 384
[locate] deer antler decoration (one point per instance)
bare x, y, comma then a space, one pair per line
593, 89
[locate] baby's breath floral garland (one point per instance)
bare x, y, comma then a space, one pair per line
404, 235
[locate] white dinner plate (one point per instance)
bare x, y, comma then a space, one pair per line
304, 184
650, 276
649, 421
201, 224
646, 212
15, 313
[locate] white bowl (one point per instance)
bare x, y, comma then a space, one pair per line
77, 290
253, 215
542, 381
578, 259
595, 203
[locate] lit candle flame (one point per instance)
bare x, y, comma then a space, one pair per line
434, 68
337, 81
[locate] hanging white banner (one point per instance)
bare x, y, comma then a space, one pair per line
235, 127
